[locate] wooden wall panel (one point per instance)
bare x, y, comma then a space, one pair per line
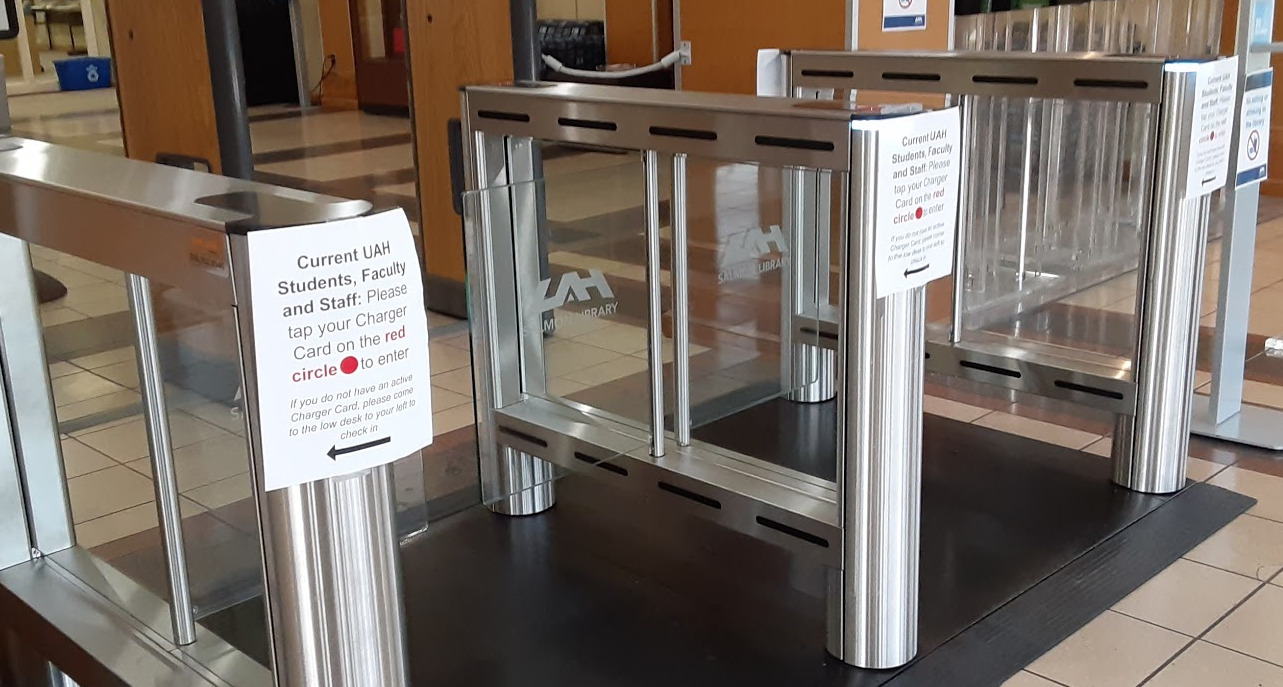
725, 43
630, 32
725, 40
162, 74
452, 44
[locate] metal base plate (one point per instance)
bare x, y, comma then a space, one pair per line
1252, 426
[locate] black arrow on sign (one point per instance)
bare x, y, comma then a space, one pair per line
335, 451
916, 270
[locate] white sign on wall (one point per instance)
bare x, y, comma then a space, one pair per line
919, 169
1209, 152
1254, 129
904, 15
341, 346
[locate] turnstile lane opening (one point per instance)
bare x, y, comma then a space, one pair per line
755, 263
676, 276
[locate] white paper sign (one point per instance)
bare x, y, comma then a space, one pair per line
1254, 129
904, 15
1209, 151
341, 345
917, 198
772, 73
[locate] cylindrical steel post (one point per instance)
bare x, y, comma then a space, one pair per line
156, 413
227, 77
812, 370
959, 304
655, 313
331, 557
681, 306
525, 484
1150, 449
527, 57
873, 596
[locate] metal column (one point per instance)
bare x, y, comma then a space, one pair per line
681, 305
1150, 448
31, 403
227, 77
331, 556
873, 596
655, 315
812, 373
165, 481
1222, 415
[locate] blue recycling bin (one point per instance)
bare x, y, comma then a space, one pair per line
83, 73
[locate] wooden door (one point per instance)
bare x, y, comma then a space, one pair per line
378, 41
638, 31
725, 41
452, 44
162, 77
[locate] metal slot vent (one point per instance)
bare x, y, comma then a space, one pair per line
799, 143
910, 76
1083, 388
588, 124
829, 73
1005, 80
523, 436
504, 116
1112, 83
597, 462
793, 532
989, 368
690, 495
675, 132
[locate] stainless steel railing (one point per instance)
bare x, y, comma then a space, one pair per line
738, 165
329, 622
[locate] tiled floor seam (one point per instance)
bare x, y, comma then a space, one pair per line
1054, 682
1202, 635
1212, 567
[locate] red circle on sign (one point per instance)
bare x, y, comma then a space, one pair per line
348, 365
918, 213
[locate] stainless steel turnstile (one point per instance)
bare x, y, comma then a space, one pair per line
1085, 199
545, 272
328, 558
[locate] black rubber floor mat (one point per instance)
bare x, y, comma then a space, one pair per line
1023, 542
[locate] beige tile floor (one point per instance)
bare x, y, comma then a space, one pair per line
1213, 618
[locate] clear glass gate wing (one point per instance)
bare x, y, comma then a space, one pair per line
639, 288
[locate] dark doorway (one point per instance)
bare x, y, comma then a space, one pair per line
267, 46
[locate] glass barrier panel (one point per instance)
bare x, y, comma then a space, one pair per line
569, 262
94, 372
755, 276
1056, 205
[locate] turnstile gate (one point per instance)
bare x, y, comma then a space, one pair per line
325, 554
1083, 196
752, 188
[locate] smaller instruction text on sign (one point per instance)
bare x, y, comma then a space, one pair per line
1215, 85
341, 346
1254, 129
919, 168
